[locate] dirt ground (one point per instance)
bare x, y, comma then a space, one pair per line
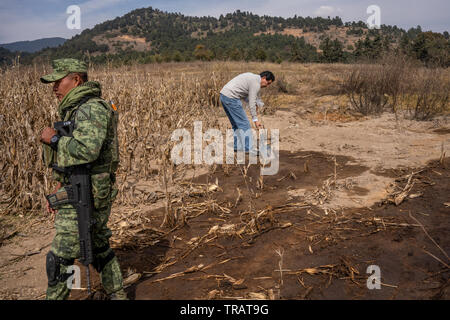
322, 256
308, 232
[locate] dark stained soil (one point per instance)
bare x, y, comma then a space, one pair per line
335, 248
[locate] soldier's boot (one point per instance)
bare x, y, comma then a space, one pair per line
57, 274
108, 266
119, 295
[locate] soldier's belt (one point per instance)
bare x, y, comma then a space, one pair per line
109, 167
63, 196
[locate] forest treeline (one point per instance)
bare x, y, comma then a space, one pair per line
240, 36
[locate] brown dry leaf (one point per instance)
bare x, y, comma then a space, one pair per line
212, 294
212, 230
399, 198
353, 270
123, 224
192, 240
229, 278
271, 294
311, 271
131, 279
241, 231
415, 195
286, 225
213, 187
238, 285
227, 228
194, 268
257, 296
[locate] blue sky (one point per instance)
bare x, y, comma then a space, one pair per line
30, 19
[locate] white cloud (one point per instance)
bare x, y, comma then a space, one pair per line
94, 5
325, 11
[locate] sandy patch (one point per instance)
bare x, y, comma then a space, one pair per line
380, 143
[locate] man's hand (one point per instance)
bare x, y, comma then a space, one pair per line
47, 134
50, 210
258, 125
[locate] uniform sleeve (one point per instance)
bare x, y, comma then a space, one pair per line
91, 123
252, 97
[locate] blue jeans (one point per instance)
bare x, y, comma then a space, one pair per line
239, 122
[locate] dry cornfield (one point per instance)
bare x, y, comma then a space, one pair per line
153, 101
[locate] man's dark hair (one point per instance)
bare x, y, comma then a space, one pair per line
269, 75
83, 76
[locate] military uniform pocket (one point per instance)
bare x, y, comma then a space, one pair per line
48, 155
101, 190
62, 197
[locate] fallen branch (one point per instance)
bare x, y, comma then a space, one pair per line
284, 226
196, 245
423, 228
307, 292
180, 274
433, 256
221, 262
388, 285
402, 195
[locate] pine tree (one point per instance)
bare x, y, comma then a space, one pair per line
332, 50
260, 54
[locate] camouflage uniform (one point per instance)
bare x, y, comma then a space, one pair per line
95, 142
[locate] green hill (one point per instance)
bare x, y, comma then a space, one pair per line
150, 35
33, 46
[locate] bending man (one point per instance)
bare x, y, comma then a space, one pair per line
247, 87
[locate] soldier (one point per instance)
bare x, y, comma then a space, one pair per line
94, 142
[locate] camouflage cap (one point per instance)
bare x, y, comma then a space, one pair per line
62, 67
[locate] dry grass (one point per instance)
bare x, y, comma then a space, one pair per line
153, 101
428, 95
398, 84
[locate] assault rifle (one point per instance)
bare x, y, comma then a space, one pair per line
82, 200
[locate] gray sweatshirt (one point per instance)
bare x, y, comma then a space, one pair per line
245, 86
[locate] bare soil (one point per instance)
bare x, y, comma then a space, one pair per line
337, 248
